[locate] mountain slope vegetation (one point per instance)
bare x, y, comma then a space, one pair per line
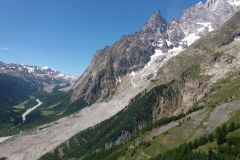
19, 91
178, 98
193, 73
13, 91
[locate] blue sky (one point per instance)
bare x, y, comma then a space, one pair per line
65, 34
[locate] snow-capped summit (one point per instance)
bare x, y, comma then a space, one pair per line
235, 3
35, 71
45, 67
214, 4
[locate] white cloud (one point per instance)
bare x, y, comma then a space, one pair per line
5, 48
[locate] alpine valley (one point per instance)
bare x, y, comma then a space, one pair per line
170, 91
20, 87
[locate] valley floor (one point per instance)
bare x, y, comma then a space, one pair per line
37, 142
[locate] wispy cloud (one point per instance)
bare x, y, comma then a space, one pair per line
5, 48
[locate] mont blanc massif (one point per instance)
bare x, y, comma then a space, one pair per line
170, 91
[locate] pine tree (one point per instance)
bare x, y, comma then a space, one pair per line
231, 127
220, 135
210, 154
210, 138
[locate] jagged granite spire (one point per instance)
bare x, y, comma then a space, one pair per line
156, 24
133, 53
210, 3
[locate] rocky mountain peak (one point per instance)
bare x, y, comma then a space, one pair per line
156, 24
214, 5
223, 8
156, 16
210, 3
174, 20
145, 51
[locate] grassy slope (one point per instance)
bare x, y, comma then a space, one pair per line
175, 136
223, 144
225, 90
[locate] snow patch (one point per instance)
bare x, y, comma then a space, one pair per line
45, 67
175, 50
118, 80
191, 38
237, 39
205, 25
199, 3
158, 53
29, 69
169, 43
235, 3
132, 74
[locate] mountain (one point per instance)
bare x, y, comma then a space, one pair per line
21, 84
46, 78
192, 94
149, 85
34, 71
155, 43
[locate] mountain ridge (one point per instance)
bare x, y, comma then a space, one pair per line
134, 52
97, 84
34, 71
204, 77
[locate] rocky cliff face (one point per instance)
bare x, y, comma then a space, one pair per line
209, 60
110, 64
157, 42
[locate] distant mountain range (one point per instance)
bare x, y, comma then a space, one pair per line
19, 82
34, 71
